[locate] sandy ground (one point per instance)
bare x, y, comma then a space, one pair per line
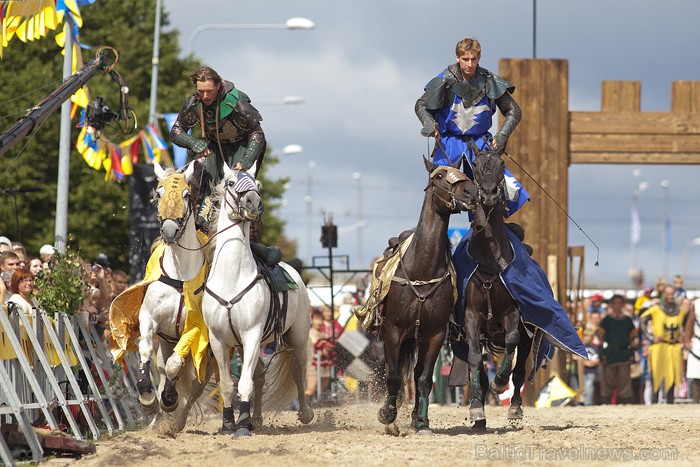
351, 435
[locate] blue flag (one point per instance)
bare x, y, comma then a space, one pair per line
179, 154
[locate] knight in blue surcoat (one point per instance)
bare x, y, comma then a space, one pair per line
457, 109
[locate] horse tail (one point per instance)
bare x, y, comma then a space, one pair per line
408, 355
279, 391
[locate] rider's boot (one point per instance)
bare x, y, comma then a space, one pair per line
202, 219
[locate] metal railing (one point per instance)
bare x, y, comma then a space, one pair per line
57, 372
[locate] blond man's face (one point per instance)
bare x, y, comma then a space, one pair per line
468, 63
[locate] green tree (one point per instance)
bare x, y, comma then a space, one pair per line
98, 209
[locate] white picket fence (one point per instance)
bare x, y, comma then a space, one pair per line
42, 361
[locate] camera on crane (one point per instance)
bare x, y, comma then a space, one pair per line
98, 114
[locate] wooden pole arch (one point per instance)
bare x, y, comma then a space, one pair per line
550, 137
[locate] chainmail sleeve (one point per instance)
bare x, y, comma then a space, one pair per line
425, 116
512, 113
186, 118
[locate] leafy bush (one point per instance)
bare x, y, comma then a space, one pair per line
62, 287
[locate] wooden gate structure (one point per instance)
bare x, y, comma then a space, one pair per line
550, 137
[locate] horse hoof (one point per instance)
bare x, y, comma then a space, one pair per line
515, 412
147, 399
424, 431
168, 408
496, 388
305, 416
477, 415
149, 410
387, 415
242, 432
227, 429
480, 424
257, 421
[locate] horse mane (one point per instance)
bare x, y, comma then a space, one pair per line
217, 195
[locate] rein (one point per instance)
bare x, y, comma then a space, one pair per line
238, 211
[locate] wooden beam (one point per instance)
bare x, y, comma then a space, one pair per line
660, 143
676, 123
608, 157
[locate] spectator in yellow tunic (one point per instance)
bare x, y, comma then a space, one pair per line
665, 352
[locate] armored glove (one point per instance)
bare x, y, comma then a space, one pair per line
428, 129
425, 117
501, 140
188, 141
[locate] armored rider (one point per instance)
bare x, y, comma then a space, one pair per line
457, 108
225, 128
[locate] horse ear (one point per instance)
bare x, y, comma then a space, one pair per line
189, 171
227, 171
429, 165
251, 170
159, 171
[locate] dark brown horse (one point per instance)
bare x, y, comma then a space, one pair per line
421, 298
492, 317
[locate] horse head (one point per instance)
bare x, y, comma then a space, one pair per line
489, 176
241, 196
452, 190
174, 203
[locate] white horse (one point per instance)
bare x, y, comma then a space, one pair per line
163, 312
236, 305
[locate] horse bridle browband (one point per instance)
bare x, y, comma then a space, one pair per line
452, 202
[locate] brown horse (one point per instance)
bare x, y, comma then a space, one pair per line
491, 315
421, 297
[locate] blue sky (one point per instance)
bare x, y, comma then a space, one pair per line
364, 65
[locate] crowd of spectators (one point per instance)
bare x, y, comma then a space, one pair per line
644, 351
18, 286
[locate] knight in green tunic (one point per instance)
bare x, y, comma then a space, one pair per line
225, 128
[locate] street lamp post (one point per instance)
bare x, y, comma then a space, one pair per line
635, 224
291, 24
152, 115
686, 255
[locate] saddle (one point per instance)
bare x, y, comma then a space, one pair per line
383, 275
279, 281
370, 314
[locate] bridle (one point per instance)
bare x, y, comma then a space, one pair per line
179, 221
500, 187
451, 199
236, 189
